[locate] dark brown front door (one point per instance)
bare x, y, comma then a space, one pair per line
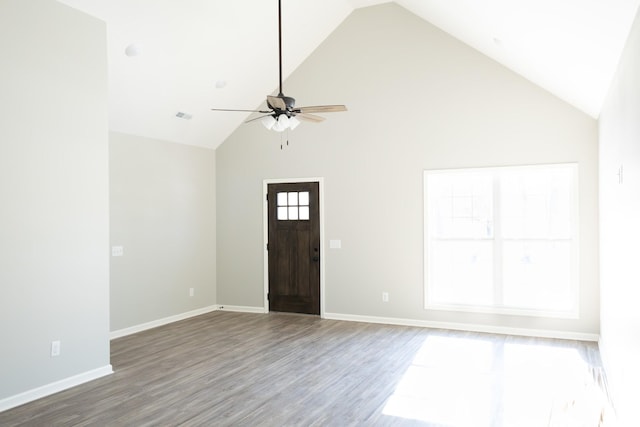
294, 247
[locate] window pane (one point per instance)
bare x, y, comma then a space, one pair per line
304, 212
303, 198
560, 205
293, 212
530, 264
461, 272
536, 203
537, 275
460, 206
282, 199
293, 199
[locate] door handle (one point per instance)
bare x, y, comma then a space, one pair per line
315, 258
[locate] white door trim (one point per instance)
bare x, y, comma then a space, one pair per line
265, 228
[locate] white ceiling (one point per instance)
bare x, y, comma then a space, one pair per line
569, 47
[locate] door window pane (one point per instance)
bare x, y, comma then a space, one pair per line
304, 212
293, 206
282, 213
293, 212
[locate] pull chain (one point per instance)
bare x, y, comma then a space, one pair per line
282, 136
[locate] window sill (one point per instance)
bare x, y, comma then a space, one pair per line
510, 311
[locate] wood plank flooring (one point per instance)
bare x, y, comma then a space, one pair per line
238, 369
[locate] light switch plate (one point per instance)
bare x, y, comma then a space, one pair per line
335, 244
117, 251
55, 348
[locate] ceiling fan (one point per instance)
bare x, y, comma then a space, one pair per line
282, 113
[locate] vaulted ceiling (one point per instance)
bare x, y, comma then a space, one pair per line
197, 54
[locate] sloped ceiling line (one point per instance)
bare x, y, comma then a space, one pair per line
569, 47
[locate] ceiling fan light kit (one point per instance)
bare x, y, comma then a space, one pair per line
268, 122
281, 124
282, 114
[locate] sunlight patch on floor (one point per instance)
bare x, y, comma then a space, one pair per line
449, 382
534, 377
478, 382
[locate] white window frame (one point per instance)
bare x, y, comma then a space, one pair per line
498, 308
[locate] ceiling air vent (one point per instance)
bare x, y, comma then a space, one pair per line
182, 115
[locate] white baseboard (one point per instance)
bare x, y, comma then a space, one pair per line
242, 309
55, 387
160, 322
504, 330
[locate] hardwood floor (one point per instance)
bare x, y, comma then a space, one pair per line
238, 369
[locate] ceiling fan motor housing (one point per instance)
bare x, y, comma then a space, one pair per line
289, 103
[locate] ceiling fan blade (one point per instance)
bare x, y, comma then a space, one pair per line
276, 102
322, 109
241, 111
257, 118
310, 118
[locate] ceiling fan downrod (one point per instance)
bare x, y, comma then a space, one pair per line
280, 44
282, 113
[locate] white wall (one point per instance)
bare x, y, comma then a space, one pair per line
54, 224
418, 99
620, 232
163, 214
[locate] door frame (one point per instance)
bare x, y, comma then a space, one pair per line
265, 234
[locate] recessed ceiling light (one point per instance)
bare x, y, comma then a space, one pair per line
183, 115
134, 49
220, 84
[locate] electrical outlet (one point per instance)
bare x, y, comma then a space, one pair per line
55, 348
385, 297
191, 292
